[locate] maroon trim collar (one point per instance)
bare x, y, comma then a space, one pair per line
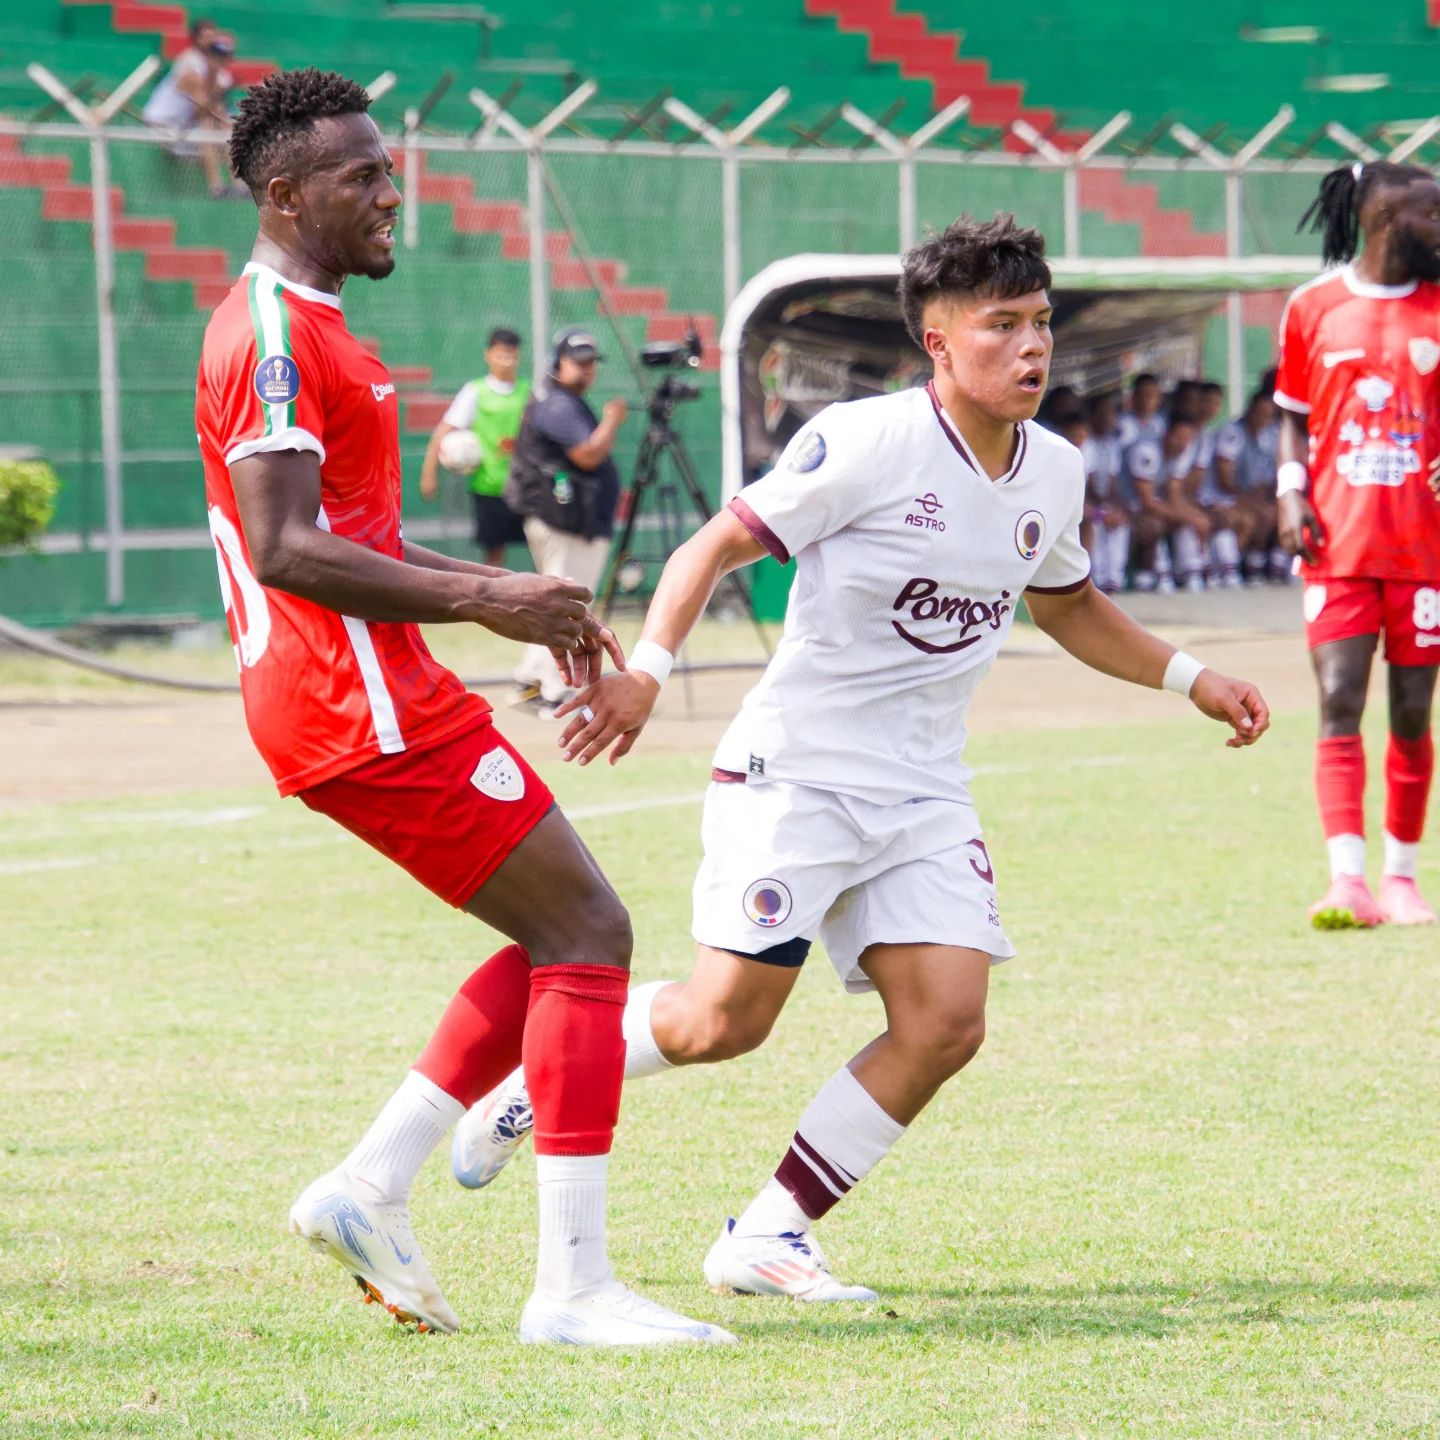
1022, 441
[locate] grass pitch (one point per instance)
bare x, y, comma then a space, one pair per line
1189, 1188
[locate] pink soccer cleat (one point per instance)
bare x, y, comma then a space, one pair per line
1347, 905
1402, 903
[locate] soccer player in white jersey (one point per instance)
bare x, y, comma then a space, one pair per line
840, 807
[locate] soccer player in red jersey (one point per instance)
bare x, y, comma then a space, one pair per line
1359, 390
298, 429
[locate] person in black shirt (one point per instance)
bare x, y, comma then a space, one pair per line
565, 485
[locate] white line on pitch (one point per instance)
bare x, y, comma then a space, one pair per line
578, 812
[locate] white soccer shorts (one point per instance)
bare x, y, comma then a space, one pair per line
786, 862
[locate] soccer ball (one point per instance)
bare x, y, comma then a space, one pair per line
461, 452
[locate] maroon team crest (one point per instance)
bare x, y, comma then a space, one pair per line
1029, 534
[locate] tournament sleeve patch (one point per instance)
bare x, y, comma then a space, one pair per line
277, 380
809, 454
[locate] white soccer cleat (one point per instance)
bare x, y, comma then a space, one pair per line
612, 1314
791, 1264
490, 1133
341, 1217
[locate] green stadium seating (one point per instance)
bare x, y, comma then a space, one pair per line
652, 225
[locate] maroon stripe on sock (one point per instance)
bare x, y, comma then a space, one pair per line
797, 1173
841, 1177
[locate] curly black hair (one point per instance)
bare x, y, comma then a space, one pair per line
971, 259
1335, 211
276, 121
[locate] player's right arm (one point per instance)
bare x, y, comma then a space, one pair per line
819, 486
620, 705
278, 495
1299, 529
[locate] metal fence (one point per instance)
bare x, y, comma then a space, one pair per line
538, 226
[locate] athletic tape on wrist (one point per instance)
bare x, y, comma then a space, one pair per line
1181, 673
652, 660
1292, 475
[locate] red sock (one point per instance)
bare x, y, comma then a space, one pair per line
575, 1056
1409, 765
1340, 784
477, 1043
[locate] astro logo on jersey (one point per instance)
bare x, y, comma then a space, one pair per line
1029, 534
921, 597
810, 455
277, 380
929, 503
768, 903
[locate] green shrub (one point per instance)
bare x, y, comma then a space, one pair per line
27, 501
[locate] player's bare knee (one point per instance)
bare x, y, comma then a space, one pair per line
1342, 706
949, 1041
594, 930
1410, 722
715, 1034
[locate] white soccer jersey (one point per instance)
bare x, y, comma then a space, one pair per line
910, 563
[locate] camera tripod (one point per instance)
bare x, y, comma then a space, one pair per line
652, 476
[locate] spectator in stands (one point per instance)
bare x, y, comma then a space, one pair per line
1245, 456
1142, 419
563, 481
1210, 485
1108, 515
1170, 529
194, 96
491, 407
1062, 407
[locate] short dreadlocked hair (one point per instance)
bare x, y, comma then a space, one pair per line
274, 128
1335, 212
991, 260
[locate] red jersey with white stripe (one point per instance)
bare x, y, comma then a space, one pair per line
1361, 362
323, 692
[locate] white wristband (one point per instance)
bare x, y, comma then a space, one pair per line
1181, 673
652, 660
1292, 475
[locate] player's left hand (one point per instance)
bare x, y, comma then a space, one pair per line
1236, 703
613, 709
582, 664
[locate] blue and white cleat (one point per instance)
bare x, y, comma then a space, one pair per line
341, 1216
792, 1264
612, 1314
490, 1133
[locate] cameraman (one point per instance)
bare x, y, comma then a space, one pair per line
565, 485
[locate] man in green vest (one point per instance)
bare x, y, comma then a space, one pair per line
491, 408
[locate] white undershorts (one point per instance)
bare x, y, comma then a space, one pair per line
785, 862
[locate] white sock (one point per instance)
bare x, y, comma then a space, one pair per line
1347, 855
842, 1136
414, 1121
572, 1224
1401, 856
642, 1054
1117, 541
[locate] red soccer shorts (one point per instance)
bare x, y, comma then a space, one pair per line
450, 815
1405, 612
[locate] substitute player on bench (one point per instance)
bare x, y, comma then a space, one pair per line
1360, 393
840, 807
298, 428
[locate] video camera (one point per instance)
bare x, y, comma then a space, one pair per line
674, 355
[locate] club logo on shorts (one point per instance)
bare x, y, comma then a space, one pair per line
1029, 534
768, 903
810, 455
277, 380
498, 776
1424, 354
1314, 602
